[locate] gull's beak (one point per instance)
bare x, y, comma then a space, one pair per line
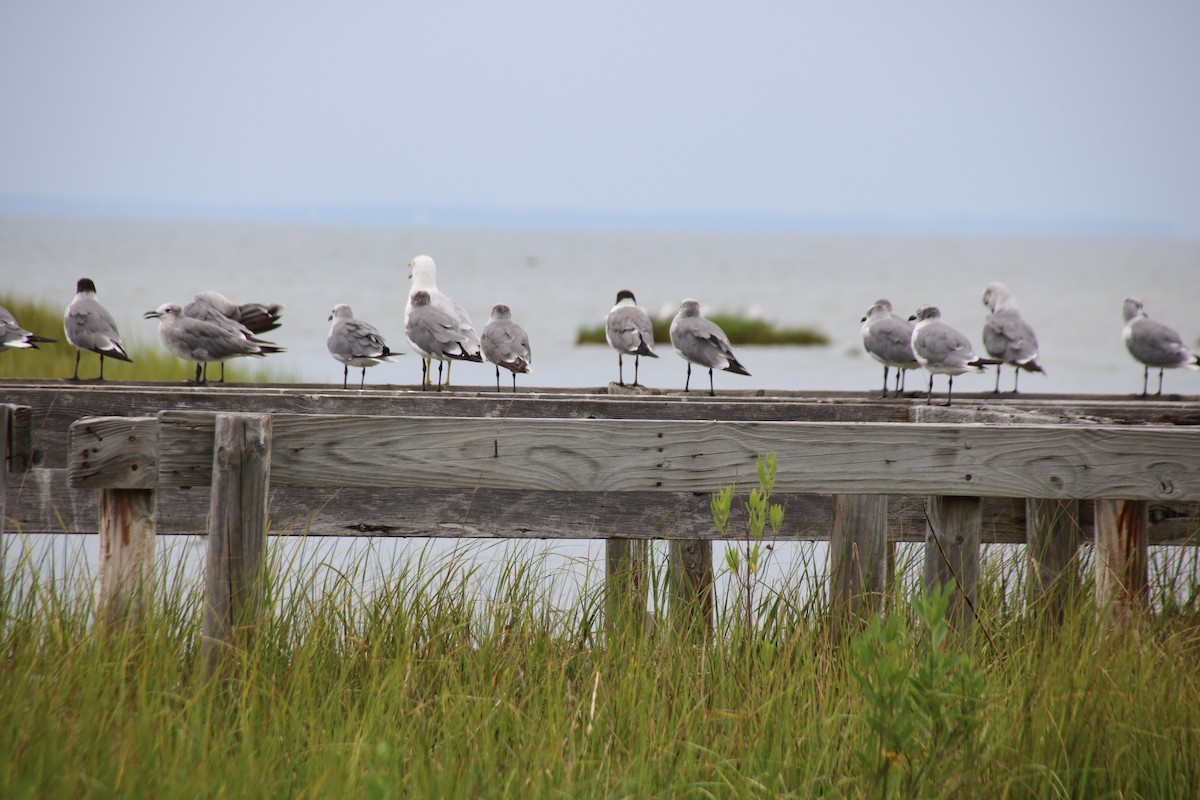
151, 314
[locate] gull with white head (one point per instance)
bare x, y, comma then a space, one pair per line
202, 342
1154, 344
941, 350
423, 273
887, 337
1007, 336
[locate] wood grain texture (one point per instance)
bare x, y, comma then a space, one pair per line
55, 405
690, 579
1122, 558
1052, 551
127, 539
114, 453
857, 556
952, 553
1064, 462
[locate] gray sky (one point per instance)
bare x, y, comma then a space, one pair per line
1066, 116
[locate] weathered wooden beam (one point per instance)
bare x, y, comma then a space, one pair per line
1052, 554
857, 556
1122, 560
952, 554
1080, 462
115, 453
237, 532
690, 581
126, 552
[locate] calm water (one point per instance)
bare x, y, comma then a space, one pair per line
556, 281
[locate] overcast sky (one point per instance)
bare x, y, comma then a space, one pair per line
1045, 116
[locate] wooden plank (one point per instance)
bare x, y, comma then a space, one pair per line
20, 438
126, 552
5, 415
1079, 462
55, 405
625, 585
43, 501
857, 557
690, 580
1053, 554
952, 554
237, 531
1122, 559
114, 453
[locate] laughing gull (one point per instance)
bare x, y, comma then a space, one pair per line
699, 341
1008, 338
941, 350
201, 341
257, 317
505, 344
888, 338
435, 334
1154, 344
629, 330
89, 326
423, 273
355, 343
14, 336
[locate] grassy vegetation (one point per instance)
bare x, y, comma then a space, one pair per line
424, 688
150, 361
739, 328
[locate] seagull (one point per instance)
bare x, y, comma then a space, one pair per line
1154, 344
699, 341
13, 336
355, 343
505, 344
201, 341
89, 326
257, 317
888, 338
1008, 338
434, 333
423, 273
941, 350
628, 329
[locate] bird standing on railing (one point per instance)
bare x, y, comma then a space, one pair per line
887, 337
1007, 336
202, 341
89, 326
700, 341
423, 273
1154, 344
629, 331
13, 336
435, 334
245, 318
505, 344
941, 350
355, 343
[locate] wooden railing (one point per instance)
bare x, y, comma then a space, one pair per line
624, 470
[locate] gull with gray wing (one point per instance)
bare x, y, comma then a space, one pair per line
887, 337
13, 336
1007, 337
1154, 344
435, 334
629, 331
700, 341
423, 272
201, 341
941, 350
89, 326
355, 343
505, 344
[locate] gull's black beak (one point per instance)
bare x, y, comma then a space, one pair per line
151, 315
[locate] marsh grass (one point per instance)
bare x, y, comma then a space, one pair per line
424, 677
150, 361
740, 328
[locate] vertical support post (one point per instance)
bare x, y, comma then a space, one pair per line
237, 526
691, 584
5, 416
858, 554
952, 553
1122, 559
625, 584
127, 534
1052, 536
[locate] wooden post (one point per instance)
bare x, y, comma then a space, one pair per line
127, 536
858, 556
237, 525
952, 553
625, 584
691, 584
1052, 537
1122, 561
5, 415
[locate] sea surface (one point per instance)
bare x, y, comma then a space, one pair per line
556, 281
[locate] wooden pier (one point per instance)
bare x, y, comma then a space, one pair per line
128, 461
